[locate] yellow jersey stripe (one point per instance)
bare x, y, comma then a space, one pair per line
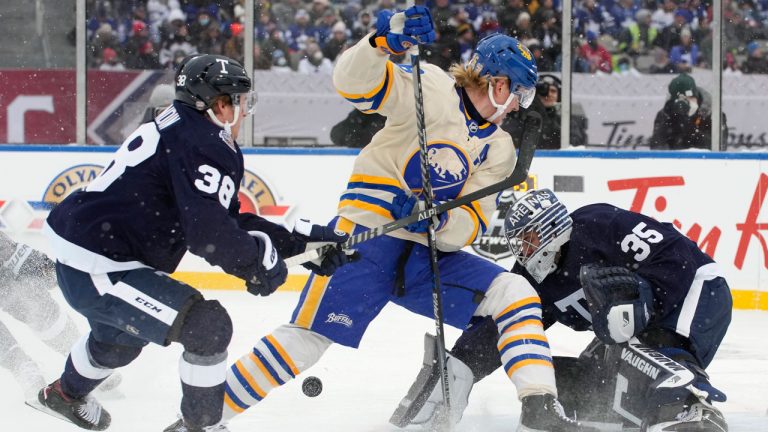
475, 221
367, 207
363, 178
377, 89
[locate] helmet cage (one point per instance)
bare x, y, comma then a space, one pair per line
538, 212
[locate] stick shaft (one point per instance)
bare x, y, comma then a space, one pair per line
426, 184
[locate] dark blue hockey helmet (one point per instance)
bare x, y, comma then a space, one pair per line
502, 55
202, 77
536, 227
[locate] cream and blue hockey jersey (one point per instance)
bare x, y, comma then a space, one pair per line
464, 155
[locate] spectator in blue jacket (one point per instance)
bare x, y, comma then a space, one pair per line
686, 55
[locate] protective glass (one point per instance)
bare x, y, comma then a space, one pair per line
247, 101
524, 95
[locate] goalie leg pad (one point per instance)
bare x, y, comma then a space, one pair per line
424, 400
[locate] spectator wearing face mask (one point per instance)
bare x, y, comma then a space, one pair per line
685, 120
314, 62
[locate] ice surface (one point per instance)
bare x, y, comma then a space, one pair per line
362, 387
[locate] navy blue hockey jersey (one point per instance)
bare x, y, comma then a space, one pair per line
172, 186
609, 236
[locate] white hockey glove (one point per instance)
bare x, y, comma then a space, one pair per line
272, 270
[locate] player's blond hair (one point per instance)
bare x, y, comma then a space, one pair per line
468, 75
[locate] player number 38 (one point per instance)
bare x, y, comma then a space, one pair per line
142, 144
637, 241
213, 182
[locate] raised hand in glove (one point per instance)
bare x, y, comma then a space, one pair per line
396, 32
333, 255
404, 205
271, 273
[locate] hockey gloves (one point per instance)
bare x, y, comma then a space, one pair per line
272, 272
619, 300
333, 256
404, 205
396, 32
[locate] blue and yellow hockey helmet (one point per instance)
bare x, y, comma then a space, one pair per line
502, 55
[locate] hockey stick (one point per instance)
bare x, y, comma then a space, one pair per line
437, 296
531, 134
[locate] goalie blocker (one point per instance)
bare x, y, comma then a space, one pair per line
632, 387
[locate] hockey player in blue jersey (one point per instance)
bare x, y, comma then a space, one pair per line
623, 275
172, 187
467, 151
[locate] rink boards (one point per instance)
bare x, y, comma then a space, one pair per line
714, 198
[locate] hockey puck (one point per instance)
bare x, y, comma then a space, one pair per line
312, 386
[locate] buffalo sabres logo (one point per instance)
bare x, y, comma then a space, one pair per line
449, 170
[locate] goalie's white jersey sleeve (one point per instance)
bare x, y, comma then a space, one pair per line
464, 155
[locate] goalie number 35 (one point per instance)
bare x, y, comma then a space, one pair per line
640, 240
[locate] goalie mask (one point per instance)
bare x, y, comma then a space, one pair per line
536, 227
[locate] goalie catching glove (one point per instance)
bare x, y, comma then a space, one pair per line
620, 302
396, 32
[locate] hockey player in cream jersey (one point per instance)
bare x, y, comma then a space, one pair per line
467, 151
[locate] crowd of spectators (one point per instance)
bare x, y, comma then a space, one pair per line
610, 36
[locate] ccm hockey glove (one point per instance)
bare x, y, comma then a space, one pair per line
314, 236
272, 272
404, 205
396, 32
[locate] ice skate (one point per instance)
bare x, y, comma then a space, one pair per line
694, 415
85, 412
179, 426
543, 413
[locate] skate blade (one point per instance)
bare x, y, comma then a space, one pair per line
33, 403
